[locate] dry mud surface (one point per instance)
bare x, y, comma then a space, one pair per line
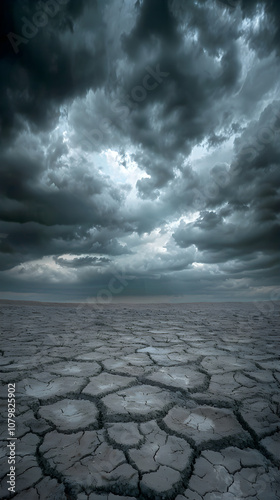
151, 402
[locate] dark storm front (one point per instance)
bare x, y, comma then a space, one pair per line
139, 138
39, 19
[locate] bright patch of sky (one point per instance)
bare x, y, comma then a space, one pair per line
121, 170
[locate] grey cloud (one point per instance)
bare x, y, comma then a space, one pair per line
82, 261
229, 240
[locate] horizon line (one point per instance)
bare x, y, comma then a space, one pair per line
128, 303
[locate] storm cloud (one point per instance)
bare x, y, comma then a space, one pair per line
139, 149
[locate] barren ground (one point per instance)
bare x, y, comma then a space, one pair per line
150, 402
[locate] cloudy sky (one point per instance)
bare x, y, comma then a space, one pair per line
139, 150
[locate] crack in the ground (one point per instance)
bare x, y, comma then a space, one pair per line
199, 337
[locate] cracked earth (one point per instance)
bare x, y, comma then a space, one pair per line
142, 402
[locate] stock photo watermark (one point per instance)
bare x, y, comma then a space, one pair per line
31, 26
221, 175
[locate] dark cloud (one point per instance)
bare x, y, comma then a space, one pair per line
230, 240
266, 37
154, 21
47, 65
139, 138
81, 261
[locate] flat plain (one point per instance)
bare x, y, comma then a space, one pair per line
169, 401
